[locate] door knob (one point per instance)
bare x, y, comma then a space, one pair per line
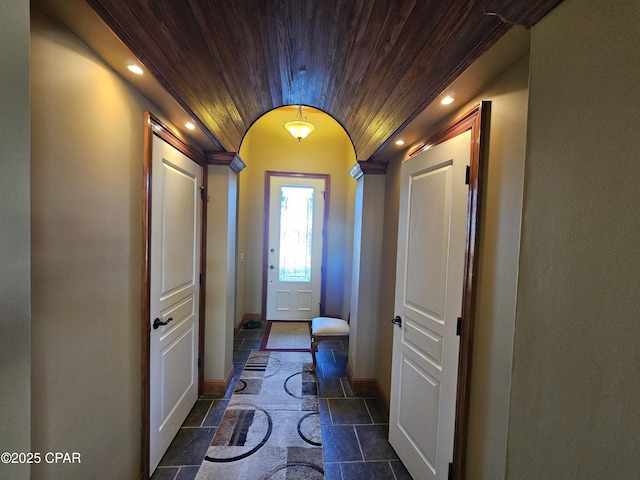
157, 322
271, 267
397, 321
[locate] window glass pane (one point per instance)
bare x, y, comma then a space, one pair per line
296, 225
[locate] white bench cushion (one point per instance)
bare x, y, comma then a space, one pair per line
329, 326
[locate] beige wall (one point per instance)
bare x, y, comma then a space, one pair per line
15, 349
220, 315
497, 274
349, 221
573, 409
388, 279
576, 376
87, 127
327, 150
500, 218
365, 286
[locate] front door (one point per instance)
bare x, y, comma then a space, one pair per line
429, 289
174, 291
295, 247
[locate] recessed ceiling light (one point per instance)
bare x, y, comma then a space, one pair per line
190, 125
135, 69
446, 100
399, 142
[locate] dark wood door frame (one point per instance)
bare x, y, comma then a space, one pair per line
265, 242
477, 121
153, 126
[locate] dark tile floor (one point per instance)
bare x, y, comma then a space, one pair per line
354, 427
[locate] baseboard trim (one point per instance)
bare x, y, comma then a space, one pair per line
214, 387
218, 387
383, 398
368, 385
361, 385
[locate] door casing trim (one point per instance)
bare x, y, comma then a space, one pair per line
477, 121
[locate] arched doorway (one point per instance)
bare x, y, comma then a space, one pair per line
268, 147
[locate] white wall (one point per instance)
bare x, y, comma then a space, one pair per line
15, 348
576, 377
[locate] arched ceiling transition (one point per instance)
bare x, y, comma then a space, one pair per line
272, 123
371, 65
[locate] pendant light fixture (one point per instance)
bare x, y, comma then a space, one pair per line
299, 127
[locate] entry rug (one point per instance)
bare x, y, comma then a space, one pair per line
281, 335
271, 428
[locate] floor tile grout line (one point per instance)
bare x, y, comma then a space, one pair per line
393, 472
355, 430
213, 402
330, 412
366, 405
344, 392
175, 475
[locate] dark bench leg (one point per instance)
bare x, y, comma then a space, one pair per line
314, 349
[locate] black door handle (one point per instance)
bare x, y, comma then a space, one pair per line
157, 322
397, 321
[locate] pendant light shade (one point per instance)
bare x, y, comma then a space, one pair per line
299, 128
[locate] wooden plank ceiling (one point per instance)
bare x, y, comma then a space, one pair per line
373, 65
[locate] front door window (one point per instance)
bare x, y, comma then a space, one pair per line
296, 233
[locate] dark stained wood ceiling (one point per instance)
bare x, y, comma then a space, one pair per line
373, 65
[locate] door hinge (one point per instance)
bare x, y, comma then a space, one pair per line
203, 194
200, 278
459, 326
467, 175
450, 477
198, 362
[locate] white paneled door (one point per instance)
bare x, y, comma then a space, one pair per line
295, 247
174, 288
429, 287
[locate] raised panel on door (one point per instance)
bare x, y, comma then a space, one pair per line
177, 375
179, 218
283, 301
427, 226
424, 341
419, 410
